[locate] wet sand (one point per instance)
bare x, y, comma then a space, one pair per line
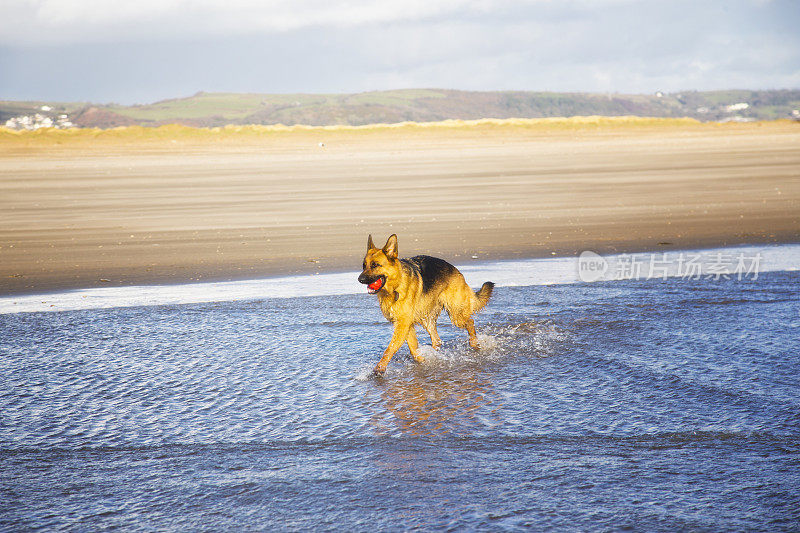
121, 213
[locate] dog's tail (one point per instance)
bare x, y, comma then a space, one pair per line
483, 295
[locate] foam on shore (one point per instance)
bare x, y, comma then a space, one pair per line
742, 263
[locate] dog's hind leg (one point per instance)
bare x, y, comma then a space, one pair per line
460, 319
473, 338
413, 345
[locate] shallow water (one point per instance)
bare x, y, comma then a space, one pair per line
649, 404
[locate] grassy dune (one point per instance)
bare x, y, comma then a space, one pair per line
185, 134
282, 137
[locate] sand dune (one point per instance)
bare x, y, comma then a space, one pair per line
182, 204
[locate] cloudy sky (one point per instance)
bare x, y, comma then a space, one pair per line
139, 51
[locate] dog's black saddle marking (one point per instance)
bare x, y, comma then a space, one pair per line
430, 269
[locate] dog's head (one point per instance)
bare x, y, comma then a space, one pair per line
379, 264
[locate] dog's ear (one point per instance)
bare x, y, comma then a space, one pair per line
370, 244
390, 249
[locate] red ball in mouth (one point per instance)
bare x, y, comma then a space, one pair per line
376, 285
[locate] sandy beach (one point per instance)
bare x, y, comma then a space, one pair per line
117, 211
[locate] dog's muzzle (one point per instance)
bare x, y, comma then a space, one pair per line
373, 283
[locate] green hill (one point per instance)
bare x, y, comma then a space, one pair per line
420, 105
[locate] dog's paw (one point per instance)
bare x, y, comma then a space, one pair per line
483, 342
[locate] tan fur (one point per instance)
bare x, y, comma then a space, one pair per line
404, 303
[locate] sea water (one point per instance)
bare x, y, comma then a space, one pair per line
639, 402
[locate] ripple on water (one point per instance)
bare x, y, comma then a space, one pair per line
233, 415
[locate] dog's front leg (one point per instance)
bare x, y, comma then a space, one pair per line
398, 338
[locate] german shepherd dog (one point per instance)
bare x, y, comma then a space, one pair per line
414, 291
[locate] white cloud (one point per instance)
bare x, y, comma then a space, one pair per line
33, 22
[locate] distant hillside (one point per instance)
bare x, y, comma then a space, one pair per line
420, 105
